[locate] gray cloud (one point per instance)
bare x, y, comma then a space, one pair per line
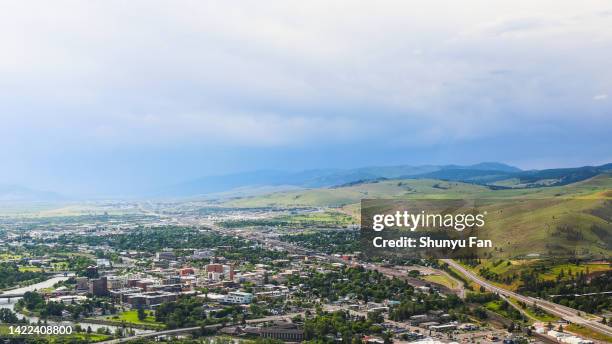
101, 75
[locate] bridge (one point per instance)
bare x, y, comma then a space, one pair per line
10, 296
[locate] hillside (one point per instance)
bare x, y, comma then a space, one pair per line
414, 189
574, 217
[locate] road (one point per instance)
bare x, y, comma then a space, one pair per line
563, 312
184, 330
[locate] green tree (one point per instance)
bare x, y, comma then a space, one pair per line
141, 314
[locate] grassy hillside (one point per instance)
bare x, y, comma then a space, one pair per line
570, 218
597, 187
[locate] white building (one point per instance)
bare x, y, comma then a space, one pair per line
238, 297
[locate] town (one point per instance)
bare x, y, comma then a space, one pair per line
178, 275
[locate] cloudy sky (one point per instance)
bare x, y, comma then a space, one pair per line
112, 97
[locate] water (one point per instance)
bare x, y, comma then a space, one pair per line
10, 304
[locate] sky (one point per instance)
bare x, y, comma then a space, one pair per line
120, 97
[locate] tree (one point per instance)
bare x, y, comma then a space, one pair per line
141, 314
7, 316
511, 327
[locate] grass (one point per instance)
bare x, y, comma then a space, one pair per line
9, 256
60, 266
496, 306
574, 269
443, 280
586, 332
30, 269
466, 281
539, 314
132, 318
502, 268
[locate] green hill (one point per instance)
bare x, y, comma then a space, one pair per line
575, 217
415, 189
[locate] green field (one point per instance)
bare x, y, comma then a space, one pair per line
505, 267
29, 268
132, 318
574, 269
586, 332
538, 314
443, 280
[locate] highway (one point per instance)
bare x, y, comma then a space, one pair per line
563, 312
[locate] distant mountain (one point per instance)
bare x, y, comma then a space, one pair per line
486, 166
311, 178
16, 193
507, 178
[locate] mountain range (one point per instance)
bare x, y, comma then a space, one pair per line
311, 178
492, 174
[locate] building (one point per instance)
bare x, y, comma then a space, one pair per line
98, 286
202, 254
418, 319
443, 328
219, 272
115, 282
165, 255
186, 272
284, 331
120, 294
82, 284
103, 263
150, 299
238, 297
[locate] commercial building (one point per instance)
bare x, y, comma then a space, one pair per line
283, 331
238, 297
150, 299
98, 286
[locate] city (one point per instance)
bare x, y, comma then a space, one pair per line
247, 274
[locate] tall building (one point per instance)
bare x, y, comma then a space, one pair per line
98, 286
220, 272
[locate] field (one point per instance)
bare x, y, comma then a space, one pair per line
132, 318
539, 314
507, 312
29, 268
583, 331
443, 280
573, 269
58, 209
508, 268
